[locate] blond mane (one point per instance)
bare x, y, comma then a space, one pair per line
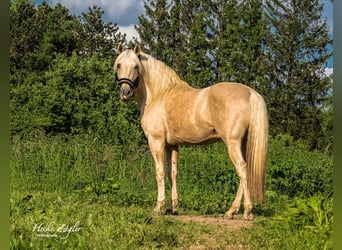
159, 77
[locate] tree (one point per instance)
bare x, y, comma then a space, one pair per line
21, 40
252, 68
327, 111
206, 41
61, 74
226, 39
153, 29
96, 35
177, 37
297, 53
15, 3
195, 20
176, 33
38, 34
239, 32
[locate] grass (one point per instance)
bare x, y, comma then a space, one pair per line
102, 225
80, 193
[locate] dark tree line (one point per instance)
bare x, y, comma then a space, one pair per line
280, 48
61, 64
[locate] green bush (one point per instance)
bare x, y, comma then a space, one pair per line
294, 171
75, 96
301, 223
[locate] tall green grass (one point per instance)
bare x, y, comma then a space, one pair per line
82, 178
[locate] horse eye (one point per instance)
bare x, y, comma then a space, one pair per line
118, 66
136, 67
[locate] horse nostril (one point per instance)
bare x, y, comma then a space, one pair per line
125, 92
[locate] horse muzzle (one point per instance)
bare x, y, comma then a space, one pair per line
126, 92
127, 86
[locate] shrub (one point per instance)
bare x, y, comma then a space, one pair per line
75, 96
294, 171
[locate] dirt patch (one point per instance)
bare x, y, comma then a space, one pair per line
221, 233
232, 225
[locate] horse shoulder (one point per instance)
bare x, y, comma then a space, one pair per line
152, 120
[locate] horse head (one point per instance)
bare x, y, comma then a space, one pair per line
127, 68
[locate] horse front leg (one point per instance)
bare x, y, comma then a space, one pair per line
172, 160
157, 148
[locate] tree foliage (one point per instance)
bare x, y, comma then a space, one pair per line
61, 77
96, 36
37, 35
280, 48
297, 53
61, 64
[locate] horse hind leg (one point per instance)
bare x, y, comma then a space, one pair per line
172, 160
235, 207
235, 153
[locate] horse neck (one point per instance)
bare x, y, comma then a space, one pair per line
141, 96
158, 79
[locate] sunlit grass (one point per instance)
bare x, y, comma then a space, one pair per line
104, 195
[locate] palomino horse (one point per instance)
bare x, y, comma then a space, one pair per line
173, 113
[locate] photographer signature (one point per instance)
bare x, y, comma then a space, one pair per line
56, 230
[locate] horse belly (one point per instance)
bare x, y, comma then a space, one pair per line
191, 135
191, 129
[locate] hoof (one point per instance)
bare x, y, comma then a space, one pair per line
229, 216
231, 213
169, 211
156, 212
248, 217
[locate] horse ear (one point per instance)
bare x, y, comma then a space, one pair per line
137, 49
119, 49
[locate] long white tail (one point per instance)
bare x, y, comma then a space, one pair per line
256, 150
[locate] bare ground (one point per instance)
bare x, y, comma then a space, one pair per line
219, 227
231, 225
